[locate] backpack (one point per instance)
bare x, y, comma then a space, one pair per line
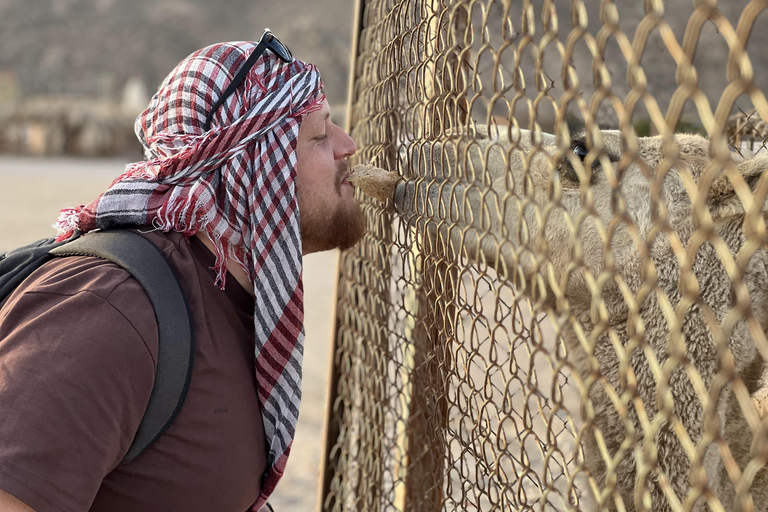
147, 264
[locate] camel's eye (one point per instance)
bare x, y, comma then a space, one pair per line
580, 150
567, 171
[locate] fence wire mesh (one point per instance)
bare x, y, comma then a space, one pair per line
564, 305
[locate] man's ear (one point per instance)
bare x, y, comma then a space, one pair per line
722, 198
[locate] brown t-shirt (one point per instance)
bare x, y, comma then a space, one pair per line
78, 346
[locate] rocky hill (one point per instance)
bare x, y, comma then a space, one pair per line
104, 49
93, 47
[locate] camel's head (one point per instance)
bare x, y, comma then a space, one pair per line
595, 204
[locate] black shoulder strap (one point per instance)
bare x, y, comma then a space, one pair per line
147, 264
17, 265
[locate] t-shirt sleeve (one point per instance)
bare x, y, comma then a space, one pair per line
76, 371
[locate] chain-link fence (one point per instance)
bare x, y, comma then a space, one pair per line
564, 305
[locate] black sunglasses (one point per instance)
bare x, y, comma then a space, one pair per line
268, 40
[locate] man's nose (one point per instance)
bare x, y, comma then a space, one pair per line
345, 146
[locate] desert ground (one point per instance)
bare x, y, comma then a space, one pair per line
33, 190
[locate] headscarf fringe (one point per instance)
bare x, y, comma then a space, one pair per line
67, 222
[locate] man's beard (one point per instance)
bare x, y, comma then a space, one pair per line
347, 227
342, 229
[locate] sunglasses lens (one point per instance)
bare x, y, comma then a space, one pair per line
280, 49
284, 53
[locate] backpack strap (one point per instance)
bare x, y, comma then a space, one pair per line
18, 264
147, 264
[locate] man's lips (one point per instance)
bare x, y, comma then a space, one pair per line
341, 180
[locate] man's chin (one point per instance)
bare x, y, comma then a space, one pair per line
341, 230
348, 226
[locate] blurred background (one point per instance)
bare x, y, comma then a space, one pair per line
74, 74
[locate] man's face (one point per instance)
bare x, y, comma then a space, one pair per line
329, 214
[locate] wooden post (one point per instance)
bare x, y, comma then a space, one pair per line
428, 412
331, 464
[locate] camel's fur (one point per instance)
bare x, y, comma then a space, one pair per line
490, 175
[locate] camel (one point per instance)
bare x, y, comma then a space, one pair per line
515, 200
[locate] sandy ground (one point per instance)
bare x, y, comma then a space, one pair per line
32, 191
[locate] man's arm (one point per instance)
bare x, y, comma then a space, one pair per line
9, 503
76, 369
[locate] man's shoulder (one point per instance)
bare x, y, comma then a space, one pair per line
67, 276
168, 242
76, 274
89, 288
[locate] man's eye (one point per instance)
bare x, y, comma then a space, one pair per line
321, 138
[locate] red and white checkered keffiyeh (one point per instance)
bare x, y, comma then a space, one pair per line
236, 183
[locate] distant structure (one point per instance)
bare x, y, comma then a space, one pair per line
9, 88
135, 97
68, 125
747, 132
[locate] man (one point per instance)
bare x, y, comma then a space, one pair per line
245, 172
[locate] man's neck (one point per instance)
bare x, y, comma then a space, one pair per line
233, 267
